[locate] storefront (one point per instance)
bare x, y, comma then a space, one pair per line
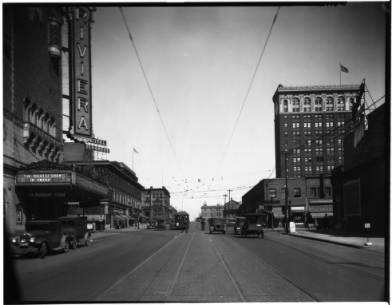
52, 193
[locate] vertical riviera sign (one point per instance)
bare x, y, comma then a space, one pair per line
81, 67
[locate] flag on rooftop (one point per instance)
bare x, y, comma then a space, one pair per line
134, 150
343, 69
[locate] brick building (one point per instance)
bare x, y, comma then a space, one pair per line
360, 185
310, 123
156, 204
306, 196
32, 96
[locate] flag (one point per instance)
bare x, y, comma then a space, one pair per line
343, 69
135, 151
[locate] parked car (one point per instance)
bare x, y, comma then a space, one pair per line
76, 230
40, 237
217, 225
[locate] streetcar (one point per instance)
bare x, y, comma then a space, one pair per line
181, 221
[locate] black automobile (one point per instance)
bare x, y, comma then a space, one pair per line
217, 225
40, 237
253, 225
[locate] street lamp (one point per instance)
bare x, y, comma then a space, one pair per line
286, 194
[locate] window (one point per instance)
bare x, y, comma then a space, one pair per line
318, 104
285, 106
307, 104
296, 105
318, 124
329, 124
329, 104
328, 191
297, 192
272, 192
295, 125
340, 104
314, 191
307, 125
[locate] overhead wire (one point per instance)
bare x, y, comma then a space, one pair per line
149, 87
248, 89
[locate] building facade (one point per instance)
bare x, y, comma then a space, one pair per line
360, 185
230, 208
32, 96
156, 204
212, 211
308, 198
310, 123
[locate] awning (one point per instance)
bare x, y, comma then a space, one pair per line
95, 217
321, 215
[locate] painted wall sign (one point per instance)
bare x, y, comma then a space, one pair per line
81, 67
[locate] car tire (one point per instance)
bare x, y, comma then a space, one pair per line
66, 246
73, 244
43, 250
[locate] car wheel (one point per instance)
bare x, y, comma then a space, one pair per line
66, 246
43, 250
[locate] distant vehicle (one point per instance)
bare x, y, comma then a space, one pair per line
253, 224
239, 221
44, 236
181, 221
40, 237
216, 225
160, 224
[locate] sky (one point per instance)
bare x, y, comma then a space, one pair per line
199, 61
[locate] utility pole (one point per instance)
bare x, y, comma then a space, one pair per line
224, 204
229, 194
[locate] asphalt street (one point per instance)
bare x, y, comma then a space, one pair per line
170, 266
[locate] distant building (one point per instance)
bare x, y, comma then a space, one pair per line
212, 211
361, 184
156, 203
230, 208
310, 123
307, 197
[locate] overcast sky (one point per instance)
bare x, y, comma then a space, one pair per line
199, 62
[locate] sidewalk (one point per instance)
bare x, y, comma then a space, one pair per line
109, 232
378, 243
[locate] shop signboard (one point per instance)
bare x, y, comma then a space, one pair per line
81, 67
56, 178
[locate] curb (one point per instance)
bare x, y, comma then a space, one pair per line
327, 241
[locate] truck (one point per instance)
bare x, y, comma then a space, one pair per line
44, 236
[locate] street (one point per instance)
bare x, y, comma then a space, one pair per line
170, 266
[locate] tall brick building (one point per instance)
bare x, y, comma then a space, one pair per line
310, 123
32, 96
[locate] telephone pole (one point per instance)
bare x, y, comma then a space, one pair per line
286, 199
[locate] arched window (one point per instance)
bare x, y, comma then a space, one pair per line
329, 104
296, 105
340, 103
307, 104
285, 106
318, 104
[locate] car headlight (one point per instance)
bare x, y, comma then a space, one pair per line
13, 240
32, 239
258, 225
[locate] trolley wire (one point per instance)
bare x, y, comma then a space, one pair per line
149, 87
248, 90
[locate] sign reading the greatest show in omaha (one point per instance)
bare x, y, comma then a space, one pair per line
44, 178
81, 64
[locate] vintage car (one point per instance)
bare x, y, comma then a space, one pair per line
253, 225
239, 221
217, 225
40, 237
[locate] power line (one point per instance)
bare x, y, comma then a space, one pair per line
249, 88
149, 86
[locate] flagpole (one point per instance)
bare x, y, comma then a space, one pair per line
340, 75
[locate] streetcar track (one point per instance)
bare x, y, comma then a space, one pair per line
171, 287
235, 284
127, 275
277, 272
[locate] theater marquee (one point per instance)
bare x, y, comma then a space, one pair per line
81, 66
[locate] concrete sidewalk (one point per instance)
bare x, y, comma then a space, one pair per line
110, 232
377, 243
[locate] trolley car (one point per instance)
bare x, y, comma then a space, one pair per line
181, 221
